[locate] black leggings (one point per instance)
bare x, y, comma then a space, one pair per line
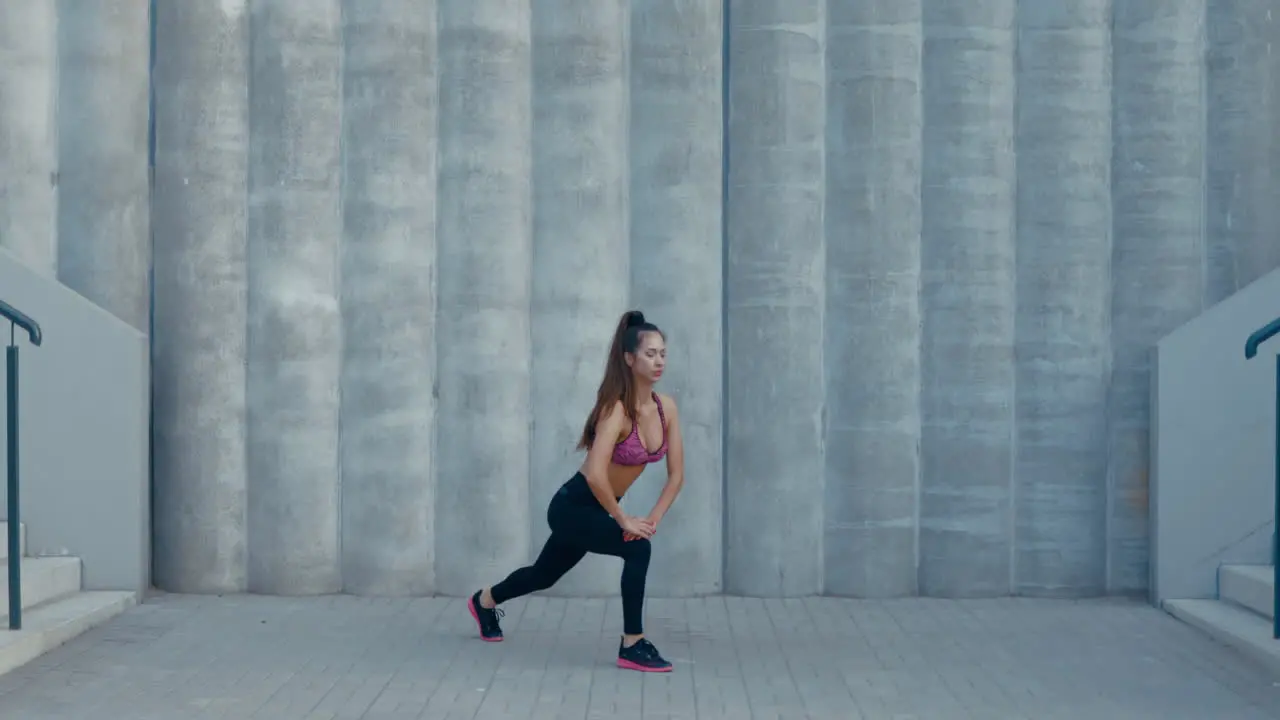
579, 525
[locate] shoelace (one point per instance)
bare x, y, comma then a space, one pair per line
497, 611
645, 649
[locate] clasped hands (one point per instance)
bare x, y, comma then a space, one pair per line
635, 528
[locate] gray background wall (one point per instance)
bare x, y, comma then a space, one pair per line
910, 308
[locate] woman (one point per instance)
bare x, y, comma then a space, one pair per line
584, 515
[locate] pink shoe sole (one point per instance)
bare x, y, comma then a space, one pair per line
471, 607
628, 665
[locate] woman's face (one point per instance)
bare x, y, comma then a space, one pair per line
650, 359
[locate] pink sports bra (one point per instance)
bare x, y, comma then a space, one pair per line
632, 452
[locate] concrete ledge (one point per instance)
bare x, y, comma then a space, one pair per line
1232, 626
1213, 418
1249, 586
49, 626
43, 579
85, 433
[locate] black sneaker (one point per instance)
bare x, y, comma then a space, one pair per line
490, 630
642, 656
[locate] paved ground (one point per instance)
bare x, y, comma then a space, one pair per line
346, 658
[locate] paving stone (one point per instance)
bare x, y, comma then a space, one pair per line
347, 658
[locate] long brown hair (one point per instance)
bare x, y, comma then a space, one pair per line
618, 383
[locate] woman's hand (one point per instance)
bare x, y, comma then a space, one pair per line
634, 528
653, 529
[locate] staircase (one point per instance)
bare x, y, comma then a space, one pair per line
54, 608
1242, 615
75, 378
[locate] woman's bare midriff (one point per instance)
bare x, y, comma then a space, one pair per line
621, 477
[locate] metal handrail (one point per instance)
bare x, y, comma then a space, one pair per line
1260, 336
22, 320
16, 320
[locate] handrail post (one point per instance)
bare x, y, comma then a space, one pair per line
16, 320
11, 426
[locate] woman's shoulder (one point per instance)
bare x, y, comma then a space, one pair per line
668, 403
614, 421
614, 412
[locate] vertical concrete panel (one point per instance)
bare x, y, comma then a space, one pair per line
29, 132
775, 300
872, 353
388, 292
485, 256
580, 245
677, 265
1158, 255
295, 338
1273, 144
1063, 283
104, 237
968, 295
1243, 145
198, 346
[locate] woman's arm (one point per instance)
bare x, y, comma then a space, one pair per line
608, 430
675, 463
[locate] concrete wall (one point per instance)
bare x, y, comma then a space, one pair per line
74, 189
395, 243
84, 396
1213, 445
912, 256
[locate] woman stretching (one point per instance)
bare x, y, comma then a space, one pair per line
628, 419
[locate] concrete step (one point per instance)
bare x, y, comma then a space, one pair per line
4, 540
52, 624
1233, 626
43, 579
1250, 586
